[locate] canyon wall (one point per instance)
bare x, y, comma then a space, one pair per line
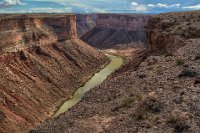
120, 21
168, 32
42, 63
117, 30
85, 22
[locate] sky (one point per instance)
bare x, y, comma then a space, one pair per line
97, 6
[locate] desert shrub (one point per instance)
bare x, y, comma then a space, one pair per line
188, 19
149, 104
187, 73
124, 104
22, 55
180, 62
187, 34
197, 80
185, 65
2, 116
197, 57
188, 23
141, 76
41, 51
179, 28
178, 121
180, 127
168, 54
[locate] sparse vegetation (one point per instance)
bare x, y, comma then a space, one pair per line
178, 121
124, 104
22, 55
188, 73
149, 104
141, 76
197, 57
197, 80
180, 62
168, 54
2, 116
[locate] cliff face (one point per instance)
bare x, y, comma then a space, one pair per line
42, 62
32, 29
85, 22
168, 32
112, 30
125, 22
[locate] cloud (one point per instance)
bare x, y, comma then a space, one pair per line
141, 8
160, 5
138, 7
134, 3
192, 7
98, 6
42, 10
11, 3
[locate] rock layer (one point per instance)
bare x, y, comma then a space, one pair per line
42, 62
117, 29
85, 22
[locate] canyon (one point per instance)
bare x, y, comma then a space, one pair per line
157, 89
42, 63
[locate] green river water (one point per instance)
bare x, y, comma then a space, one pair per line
97, 79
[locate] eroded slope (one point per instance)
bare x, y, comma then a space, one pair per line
42, 63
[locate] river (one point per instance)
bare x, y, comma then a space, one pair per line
97, 79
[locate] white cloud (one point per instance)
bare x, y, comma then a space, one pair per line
141, 8
138, 7
42, 10
192, 7
151, 5
134, 3
11, 3
160, 5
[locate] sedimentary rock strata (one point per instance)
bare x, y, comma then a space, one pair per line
42, 62
112, 30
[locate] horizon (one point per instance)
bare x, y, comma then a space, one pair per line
97, 6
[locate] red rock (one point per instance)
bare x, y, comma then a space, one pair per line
42, 61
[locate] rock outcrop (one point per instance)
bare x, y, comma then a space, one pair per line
112, 30
42, 62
